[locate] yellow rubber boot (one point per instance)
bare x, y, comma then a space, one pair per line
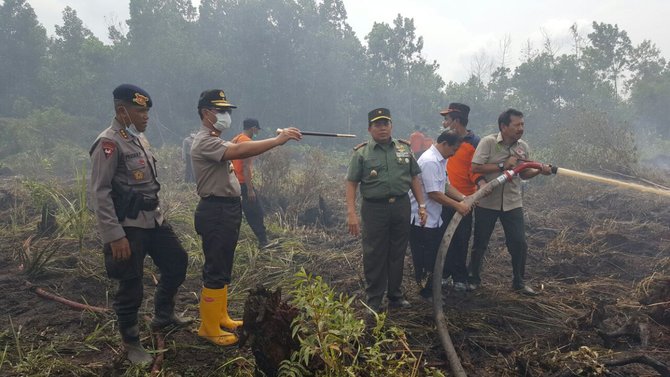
226, 321
211, 303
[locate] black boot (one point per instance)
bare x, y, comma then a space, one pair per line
164, 315
131, 340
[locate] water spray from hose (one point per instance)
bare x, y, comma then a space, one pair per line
506, 176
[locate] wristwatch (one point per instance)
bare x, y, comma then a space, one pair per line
422, 206
501, 166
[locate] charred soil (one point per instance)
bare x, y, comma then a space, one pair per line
599, 258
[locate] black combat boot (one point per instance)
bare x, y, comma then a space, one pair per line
131, 340
164, 315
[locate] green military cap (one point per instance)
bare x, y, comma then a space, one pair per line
380, 113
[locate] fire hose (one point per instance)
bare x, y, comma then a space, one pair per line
440, 318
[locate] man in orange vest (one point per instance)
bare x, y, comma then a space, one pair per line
461, 177
251, 205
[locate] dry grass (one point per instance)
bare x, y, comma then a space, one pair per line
598, 256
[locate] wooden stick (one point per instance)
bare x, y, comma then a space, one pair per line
76, 305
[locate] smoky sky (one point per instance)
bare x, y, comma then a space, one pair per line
458, 35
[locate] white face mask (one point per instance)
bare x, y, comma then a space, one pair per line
133, 130
223, 121
131, 127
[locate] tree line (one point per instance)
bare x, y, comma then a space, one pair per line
299, 62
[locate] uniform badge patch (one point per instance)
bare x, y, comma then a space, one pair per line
141, 100
108, 148
138, 175
520, 152
373, 173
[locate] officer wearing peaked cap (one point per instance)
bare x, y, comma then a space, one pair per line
124, 196
385, 170
219, 213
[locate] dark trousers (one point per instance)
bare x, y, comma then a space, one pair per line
253, 212
218, 224
457, 255
424, 243
162, 244
515, 239
385, 234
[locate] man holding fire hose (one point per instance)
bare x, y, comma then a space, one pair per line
425, 239
495, 154
463, 181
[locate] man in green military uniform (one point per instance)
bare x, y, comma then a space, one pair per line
386, 170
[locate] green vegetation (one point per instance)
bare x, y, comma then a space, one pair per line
329, 329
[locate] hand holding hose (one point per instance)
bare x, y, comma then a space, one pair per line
462, 207
510, 162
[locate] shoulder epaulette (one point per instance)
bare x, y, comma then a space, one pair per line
404, 141
361, 145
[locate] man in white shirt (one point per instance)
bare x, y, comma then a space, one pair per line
425, 240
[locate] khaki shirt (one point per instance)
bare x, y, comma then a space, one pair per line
491, 150
119, 156
213, 177
383, 170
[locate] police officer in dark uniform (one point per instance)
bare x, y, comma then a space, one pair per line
219, 212
386, 170
124, 196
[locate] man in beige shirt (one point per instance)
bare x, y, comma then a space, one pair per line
219, 213
495, 154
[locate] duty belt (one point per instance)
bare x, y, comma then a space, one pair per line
222, 199
390, 199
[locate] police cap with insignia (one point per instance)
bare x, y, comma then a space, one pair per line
214, 99
250, 123
133, 95
377, 114
464, 110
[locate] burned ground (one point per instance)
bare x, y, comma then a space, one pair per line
599, 256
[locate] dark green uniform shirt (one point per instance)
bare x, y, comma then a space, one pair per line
383, 170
